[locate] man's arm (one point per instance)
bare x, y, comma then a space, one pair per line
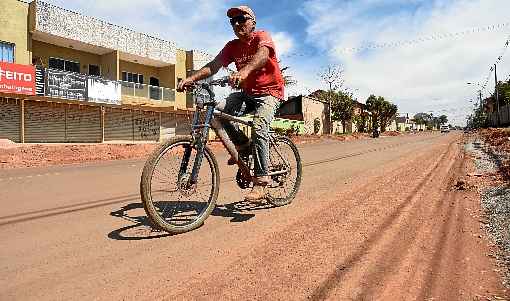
258, 61
208, 70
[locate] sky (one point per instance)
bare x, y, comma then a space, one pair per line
418, 54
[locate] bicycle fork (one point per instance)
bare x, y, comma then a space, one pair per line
199, 134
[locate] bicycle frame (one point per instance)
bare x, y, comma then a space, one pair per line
199, 133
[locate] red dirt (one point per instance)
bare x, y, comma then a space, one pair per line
363, 228
13, 155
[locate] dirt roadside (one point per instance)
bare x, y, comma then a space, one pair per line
412, 235
407, 229
13, 155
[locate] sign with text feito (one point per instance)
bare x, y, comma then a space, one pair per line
17, 79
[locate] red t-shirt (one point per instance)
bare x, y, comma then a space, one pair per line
264, 81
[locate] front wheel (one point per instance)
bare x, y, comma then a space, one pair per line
285, 162
171, 201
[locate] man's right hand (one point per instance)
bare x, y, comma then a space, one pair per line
183, 84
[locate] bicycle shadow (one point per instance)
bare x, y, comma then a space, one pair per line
240, 211
141, 227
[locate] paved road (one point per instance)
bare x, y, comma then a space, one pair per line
79, 232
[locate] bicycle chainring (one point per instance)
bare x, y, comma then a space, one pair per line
242, 181
279, 180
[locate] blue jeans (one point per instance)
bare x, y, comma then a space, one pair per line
263, 108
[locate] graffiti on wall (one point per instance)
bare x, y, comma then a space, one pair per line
66, 85
147, 127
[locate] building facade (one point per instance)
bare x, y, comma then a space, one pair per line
93, 81
310, 110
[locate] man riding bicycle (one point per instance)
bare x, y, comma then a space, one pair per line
259, 76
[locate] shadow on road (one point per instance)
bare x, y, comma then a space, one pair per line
141, 228
240, 211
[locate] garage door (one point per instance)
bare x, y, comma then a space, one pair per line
146, 126
83, 124
10, 119
118, 124
44, 122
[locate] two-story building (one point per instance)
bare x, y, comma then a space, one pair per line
94, 81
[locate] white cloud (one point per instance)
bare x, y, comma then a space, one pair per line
283, 42
429, 76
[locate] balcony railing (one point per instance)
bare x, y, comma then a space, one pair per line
147, 91
77, 86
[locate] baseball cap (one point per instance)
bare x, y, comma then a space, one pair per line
243, 9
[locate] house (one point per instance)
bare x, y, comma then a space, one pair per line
90, 81
392, 125
310, 110
404, 123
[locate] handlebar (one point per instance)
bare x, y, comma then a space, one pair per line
222, 82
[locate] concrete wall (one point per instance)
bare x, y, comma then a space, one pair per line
53, 20
110, 66
167, 76
180, 73
146, 71
44, 51
14, 29
313, 109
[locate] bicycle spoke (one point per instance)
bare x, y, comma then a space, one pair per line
175, 202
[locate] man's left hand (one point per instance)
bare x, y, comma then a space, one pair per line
237, 78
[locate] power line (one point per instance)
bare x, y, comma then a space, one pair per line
498, 60
385, 45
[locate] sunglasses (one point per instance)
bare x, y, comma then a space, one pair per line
239, 19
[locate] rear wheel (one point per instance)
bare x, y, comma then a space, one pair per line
171, 202
283, 157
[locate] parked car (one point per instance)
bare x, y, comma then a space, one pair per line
444, 129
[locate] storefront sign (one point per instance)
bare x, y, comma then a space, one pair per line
104, 91
39, 81
62, 84
17, 79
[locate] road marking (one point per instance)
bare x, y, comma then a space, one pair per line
30, 176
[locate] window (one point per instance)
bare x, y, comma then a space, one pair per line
6, 52
132, 77
94, 70
65, 65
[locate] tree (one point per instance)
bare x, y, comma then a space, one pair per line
389, 111
288, 80
333, 77
382, 111
422, 118
361, 121
342, 106
443, 119
374, 106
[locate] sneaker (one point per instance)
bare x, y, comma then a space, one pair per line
258, 192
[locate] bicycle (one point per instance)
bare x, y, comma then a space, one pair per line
176, 174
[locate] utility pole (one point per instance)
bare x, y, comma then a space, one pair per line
330, 129
481, 102
496, 92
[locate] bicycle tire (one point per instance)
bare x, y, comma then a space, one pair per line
288, 197
147, 188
